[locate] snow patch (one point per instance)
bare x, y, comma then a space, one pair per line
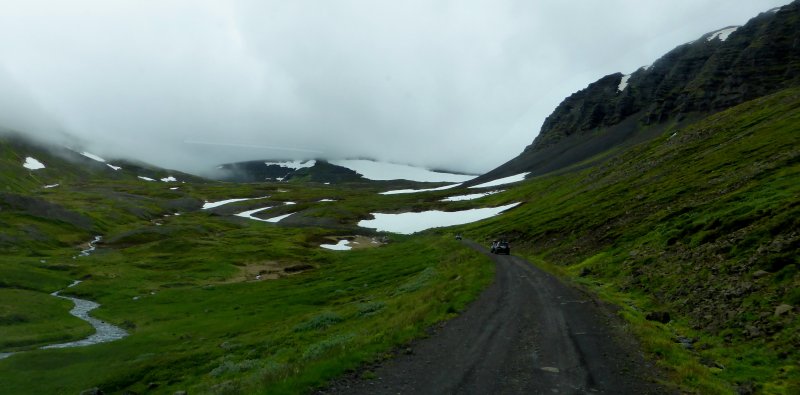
207, 205
249, 214
623, 83
32, 164
93, 156
169, 179
146, 178
408, 223
400, 191
51, 186
775, 10
275, 220
502, 181
469, 197
325, 200
113, 167
380, 171
294, 165
723, 34
342, 245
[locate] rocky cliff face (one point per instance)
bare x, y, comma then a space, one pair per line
719, 70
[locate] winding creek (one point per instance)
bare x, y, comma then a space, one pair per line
104, 332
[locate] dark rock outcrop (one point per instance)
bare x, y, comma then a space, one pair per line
261, 171
691, 81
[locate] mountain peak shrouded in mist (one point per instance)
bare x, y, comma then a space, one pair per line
188, 86
721, 69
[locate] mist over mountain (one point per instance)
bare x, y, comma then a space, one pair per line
191, 85
718, 70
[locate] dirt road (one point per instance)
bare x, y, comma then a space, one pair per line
526, 334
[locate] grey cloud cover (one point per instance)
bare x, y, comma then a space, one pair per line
463, 85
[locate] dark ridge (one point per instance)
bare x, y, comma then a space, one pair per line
688, 83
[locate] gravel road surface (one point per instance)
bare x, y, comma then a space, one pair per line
528, 333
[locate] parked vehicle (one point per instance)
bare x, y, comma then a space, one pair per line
500, 247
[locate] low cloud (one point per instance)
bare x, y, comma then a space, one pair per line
191, 84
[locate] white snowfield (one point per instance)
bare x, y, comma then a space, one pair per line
275, 220
723, 34
146, 178
408, 223
169, 179
93, 156
623, 83
342, 245
502, 181
294, 165
249, 214
379, 171
113, 167
325, 200
33, 164
208, 205
469, 197
51, 186
400, 191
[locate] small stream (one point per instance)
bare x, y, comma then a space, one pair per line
104, 332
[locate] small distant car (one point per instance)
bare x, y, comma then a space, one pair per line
501, 247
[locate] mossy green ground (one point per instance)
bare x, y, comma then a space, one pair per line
701, 222
704, 223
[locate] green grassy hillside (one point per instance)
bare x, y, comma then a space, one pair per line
186, 287
702, 223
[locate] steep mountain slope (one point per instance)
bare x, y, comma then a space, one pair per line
698, 228
719, 70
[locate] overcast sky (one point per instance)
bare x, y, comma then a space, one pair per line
463, 85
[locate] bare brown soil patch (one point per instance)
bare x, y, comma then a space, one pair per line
270, 270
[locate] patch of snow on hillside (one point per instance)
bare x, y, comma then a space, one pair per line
342, 245
113, 167
146, 178
294, 165
469, 197
207, 205
169, 179
174, 188
275, 220
380, 171
408, 223
249, 214
325, 200
51, 186
32, 164
774, 10
93, 156
399, 191
723, 34
623, 83
502, 181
